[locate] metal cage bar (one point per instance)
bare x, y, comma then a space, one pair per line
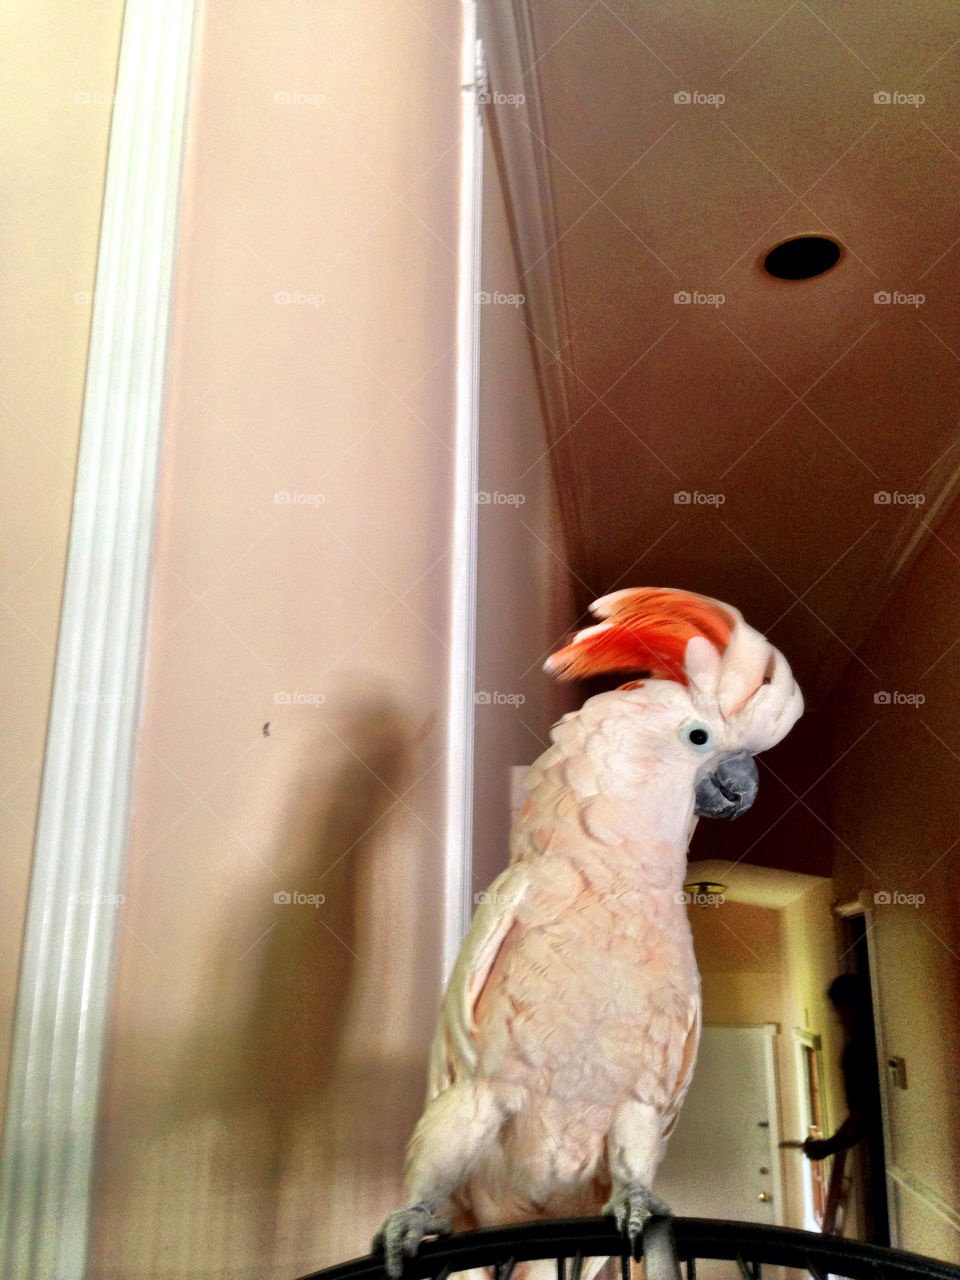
667, 1242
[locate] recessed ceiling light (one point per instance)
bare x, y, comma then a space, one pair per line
802, 257
702, 889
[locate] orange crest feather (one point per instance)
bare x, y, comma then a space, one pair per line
646, 629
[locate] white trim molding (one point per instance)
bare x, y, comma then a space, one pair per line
931, 1200
771, 1039
458, 828
63, 1000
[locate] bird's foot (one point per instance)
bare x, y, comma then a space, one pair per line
632, 1204
402, 1234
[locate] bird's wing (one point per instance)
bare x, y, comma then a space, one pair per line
454, 1052
688, 1061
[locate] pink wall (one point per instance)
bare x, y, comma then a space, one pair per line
267, 1059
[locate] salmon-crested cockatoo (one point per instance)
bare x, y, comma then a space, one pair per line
568, 1032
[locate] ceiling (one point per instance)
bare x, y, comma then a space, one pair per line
784, 408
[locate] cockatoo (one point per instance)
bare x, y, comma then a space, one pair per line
568, 1033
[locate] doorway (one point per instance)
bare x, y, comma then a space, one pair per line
722, 1159
868, 1161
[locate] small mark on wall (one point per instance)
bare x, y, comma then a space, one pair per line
266, 730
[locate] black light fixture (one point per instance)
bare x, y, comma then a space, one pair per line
802, 257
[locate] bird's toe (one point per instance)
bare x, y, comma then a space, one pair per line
631, 1206
402, 1234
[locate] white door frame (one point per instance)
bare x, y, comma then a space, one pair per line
801, 1040
461, 690
63, 998
773, 1105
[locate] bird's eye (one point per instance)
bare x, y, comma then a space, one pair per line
698, 736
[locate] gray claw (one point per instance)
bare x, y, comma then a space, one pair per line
631, 1206
402, 1234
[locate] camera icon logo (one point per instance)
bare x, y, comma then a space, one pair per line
281, 897
681, 498
882, 898
683, 97
881, 698
682, 296
882, 298
882, 98
882, 498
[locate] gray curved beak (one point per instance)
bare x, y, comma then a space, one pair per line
730, 789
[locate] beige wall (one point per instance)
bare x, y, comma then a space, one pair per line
267, 1061
739, 949
895, 813
59, 69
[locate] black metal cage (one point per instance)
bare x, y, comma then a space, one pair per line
671, 1249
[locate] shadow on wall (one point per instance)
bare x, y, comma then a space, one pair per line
274, 1076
